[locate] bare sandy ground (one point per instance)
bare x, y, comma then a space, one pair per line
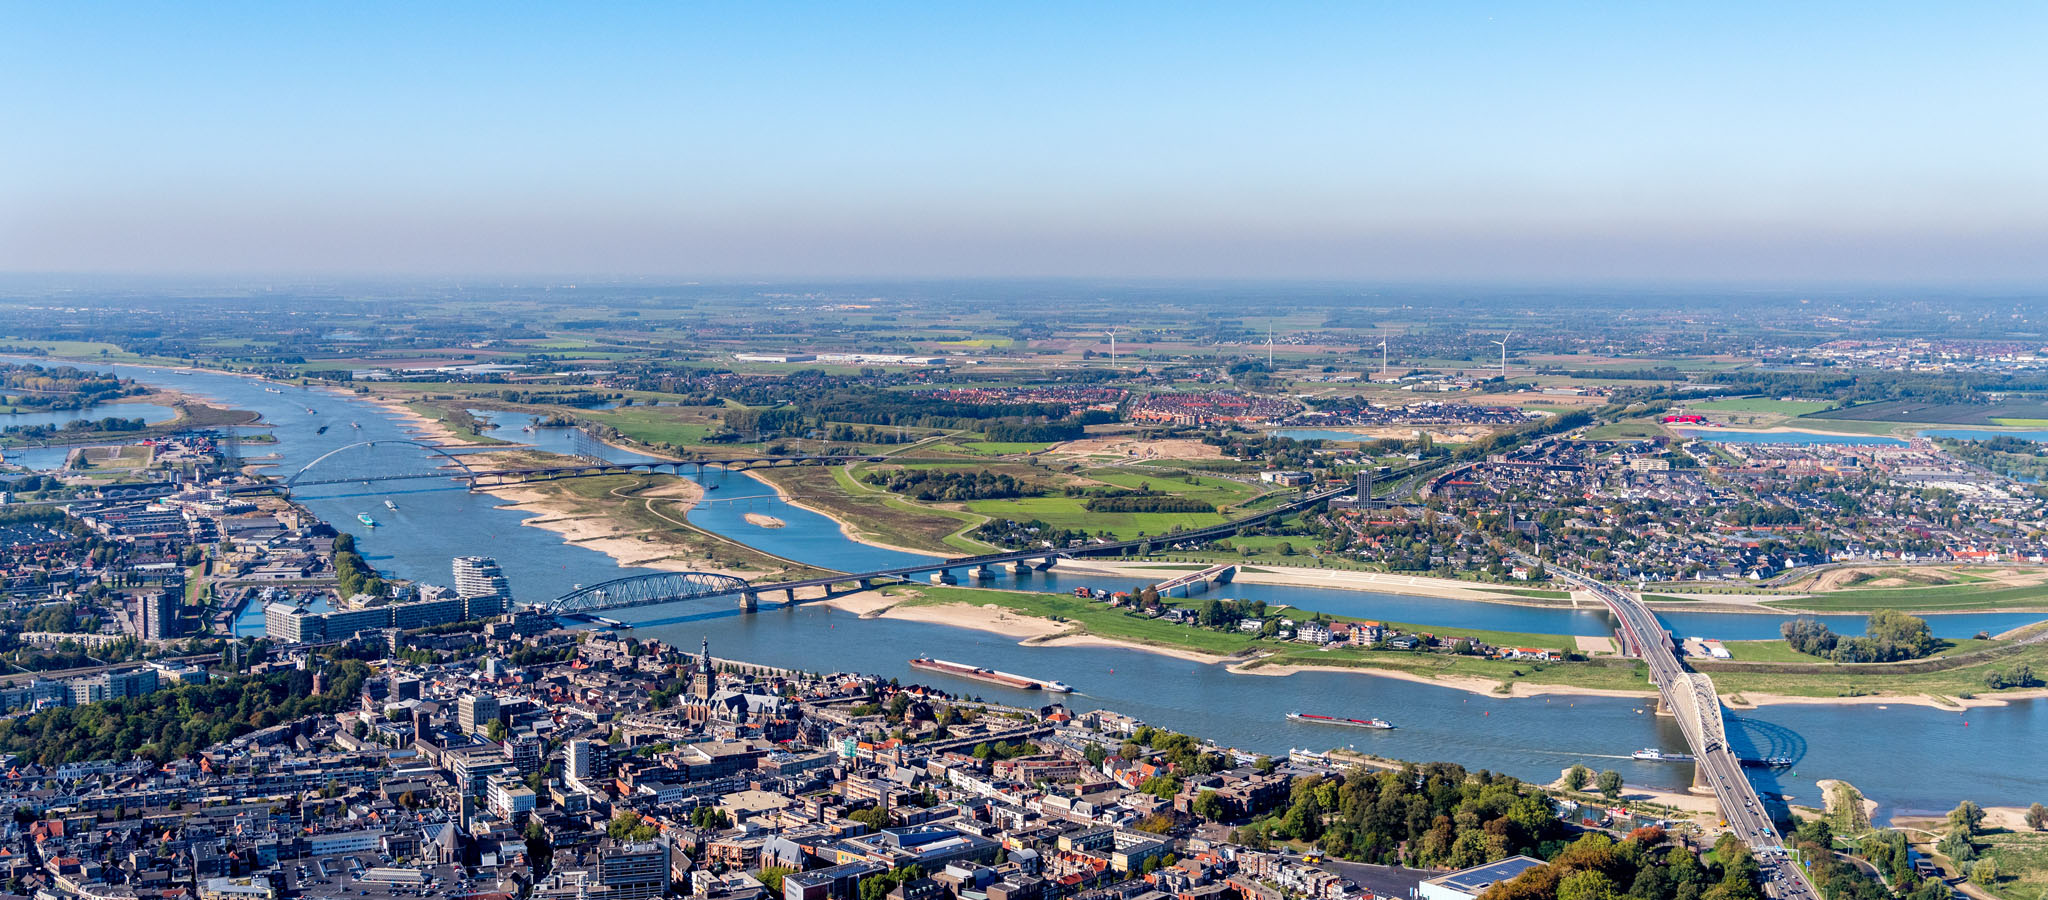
764, 520
1135, 448
1447, 434
1827, 793
1590, 644
986, 617
1468, 683
1700, 805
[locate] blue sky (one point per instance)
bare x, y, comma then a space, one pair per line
1736, 141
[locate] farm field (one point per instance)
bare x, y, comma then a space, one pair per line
652, 424
1763, 405
1920, 412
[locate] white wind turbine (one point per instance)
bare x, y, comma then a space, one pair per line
1503, 342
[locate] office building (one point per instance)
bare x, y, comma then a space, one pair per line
588, 760
476, 712
511, 800
633, 871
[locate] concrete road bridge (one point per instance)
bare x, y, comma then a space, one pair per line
1689, 697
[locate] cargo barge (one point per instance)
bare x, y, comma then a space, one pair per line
982, 673
1314, 719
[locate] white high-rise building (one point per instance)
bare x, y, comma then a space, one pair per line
482, 587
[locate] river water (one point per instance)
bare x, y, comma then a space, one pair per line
1910, 758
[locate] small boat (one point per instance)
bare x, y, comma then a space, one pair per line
354, 425
366, 520
390, 505
1655, 755
272, 390
1314, 719
311, 411
321, 430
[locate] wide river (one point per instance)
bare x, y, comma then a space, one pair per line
1910, 758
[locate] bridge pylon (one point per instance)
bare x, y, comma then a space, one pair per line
749, 601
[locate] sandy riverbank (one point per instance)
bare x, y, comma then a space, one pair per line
434, 429
987, 617
609, 536
1698, 804
1338, 579
1752, 700
763, 520
1468, 683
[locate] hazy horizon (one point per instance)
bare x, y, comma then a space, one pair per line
1731, 144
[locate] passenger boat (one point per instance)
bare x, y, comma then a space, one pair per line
366, 520
1653, 754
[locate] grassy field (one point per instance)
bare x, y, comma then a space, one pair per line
877, 515
1099, 619
1071, 512
1596, 675
1967, 677
1763, 405
1944, 598
1623, 431
1096, 618
2020, 423
653, 424
1003, 448
1780, 652
2022, 863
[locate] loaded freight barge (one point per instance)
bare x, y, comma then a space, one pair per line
1314, 719
980, 673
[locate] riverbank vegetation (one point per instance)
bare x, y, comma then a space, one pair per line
1888, 636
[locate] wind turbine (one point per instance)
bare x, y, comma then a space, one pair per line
1383, 359
1112, 346
1503, 342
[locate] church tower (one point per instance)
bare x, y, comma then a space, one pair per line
706, 682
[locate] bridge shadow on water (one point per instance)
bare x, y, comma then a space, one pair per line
1755, 739
373, 494
705, 616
